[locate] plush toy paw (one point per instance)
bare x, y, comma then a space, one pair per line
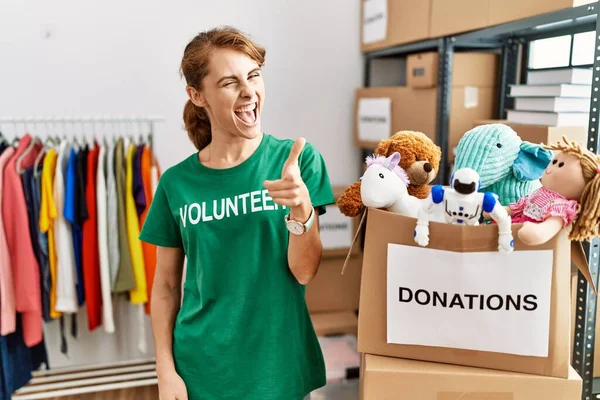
506, 243
350, 203
422, 235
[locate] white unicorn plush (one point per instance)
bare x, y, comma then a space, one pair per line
384, 185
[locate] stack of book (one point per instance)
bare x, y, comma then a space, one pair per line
554, 97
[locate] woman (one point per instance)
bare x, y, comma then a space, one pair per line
244, 211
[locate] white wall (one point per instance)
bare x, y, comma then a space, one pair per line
122, 57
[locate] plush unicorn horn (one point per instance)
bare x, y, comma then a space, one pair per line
384, 185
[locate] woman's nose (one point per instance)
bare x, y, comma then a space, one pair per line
247, 92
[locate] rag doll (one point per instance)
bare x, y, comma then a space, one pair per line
570, 194
462, 204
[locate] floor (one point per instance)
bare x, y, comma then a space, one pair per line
342, 390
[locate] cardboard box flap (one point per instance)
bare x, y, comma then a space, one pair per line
580, 260
391, 364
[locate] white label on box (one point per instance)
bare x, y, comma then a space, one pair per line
375, 21
483, 301
374, 119
471, 96
335, 229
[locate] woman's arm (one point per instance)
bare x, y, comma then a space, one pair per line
304, 251
165, 302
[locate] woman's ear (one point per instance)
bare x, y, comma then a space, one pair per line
196, 97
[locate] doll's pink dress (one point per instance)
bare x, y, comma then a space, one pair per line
542, 204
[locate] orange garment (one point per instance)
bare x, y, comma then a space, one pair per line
25, 268
149, 249
91, 254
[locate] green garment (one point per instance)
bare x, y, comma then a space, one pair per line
243, 330
125, 279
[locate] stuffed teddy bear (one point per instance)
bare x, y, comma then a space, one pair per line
507, 165
570, 194
419, 157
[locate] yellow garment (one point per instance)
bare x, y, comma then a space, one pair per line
139, 294
47, 216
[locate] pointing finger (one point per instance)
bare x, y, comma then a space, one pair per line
296, 150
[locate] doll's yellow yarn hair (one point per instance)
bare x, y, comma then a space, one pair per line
585, 226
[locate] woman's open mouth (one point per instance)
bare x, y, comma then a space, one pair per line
247, 114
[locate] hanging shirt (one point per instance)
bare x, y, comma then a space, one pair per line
70, 212
138, 186
125, 279
148, 248
45, 274
139, 295
112, 215
46, 222
66, 295
91, 256
102, 215
32, 199
8, 310
24, 265
81, 214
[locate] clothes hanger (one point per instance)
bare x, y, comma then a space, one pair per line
30, 146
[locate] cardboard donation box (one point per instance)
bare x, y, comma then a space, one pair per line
386, 23
457, 16
543, 134
469, 69
385, 378
335, 323
330, 291
461, 301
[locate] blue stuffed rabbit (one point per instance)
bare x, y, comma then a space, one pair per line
507, 165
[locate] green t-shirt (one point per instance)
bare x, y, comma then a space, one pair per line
243, 330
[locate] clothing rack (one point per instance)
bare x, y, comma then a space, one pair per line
103, 120
78, 132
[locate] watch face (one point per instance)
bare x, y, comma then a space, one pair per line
295, 227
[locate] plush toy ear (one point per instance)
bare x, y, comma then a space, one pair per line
393, 160
531, 162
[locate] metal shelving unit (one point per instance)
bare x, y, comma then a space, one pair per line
512, 40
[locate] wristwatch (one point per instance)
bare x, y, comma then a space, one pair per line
297, 227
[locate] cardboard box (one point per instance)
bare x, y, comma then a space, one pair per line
459, 16
468, 69
384, 378
543, 134
337, 230
416, 109
387, 23
335, 323
331, 291
385, 227
512, 10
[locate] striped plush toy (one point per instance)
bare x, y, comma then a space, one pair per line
507, 165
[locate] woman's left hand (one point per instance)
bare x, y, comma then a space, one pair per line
290, 190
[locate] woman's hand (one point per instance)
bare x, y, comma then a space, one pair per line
171, 386
290, 190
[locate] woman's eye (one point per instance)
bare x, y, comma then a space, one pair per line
554, 161
254, 76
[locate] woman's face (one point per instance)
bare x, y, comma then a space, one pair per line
233, 93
